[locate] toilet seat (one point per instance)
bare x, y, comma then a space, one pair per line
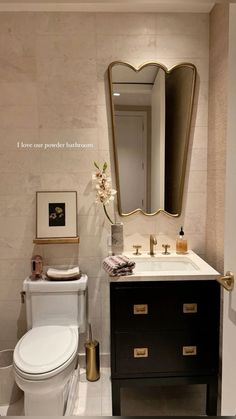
44, 351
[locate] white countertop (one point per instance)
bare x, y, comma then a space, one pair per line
195, 268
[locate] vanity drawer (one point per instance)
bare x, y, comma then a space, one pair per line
164, 305
177, 353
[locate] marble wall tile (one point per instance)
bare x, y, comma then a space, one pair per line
21, 227
196, 203
67, 116
16, 270
18, 116
105, 345
217, 134
94, 246
60, 252
182, 23
54, 89
125, 24
66, 68
78, 160
16, 247
10, 289
90, 225
80, 136
199, 159
122, 47
17, 205
200, 136
70, 46
19, 161
203, 92
12, 45
18, 93
71, 92
59, 263
14, 69
68, 23
197, 181
61, 181
25, 25
146, 224
10, 312
201, 112
92, 266
16, 183
197, 243
94, 287
195, 46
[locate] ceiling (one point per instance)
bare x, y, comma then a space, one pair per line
184, 6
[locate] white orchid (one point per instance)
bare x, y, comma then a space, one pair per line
104, 191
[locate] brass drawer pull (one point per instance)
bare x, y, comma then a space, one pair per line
140, 352
190, 308
140, 308
189, 350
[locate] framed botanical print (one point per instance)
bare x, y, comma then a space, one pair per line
56, 214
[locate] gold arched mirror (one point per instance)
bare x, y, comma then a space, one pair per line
151, 117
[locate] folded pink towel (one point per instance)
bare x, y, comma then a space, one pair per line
118, 265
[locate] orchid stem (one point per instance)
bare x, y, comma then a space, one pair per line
105, 210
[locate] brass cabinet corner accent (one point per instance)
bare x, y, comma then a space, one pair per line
189, 308
227, 281
151, 109
140, 309
140, 352
189, 350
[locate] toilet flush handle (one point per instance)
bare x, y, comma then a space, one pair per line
22, 296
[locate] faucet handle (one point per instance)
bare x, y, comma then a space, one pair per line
137, 247
166, 246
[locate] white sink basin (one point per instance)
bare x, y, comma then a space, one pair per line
162, 264
168, 267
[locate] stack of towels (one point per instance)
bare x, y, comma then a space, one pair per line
118, 265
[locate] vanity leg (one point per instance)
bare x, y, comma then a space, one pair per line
115, 386
212, 396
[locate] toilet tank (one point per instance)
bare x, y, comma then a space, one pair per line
56, 302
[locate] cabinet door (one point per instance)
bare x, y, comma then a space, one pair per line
163, 305
164, 352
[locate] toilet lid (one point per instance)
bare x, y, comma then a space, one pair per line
45, 348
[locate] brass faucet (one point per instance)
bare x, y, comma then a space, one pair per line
153, 242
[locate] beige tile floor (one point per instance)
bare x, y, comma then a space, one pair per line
94, 399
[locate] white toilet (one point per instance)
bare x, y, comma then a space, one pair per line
45, 358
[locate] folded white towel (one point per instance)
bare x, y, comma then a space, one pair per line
63, 273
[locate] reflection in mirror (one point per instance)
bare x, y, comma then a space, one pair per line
151, 113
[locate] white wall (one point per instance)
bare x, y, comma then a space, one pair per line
52, 72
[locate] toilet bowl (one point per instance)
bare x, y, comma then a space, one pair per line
46, 357
44, 360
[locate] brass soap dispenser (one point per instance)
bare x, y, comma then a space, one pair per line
181, 243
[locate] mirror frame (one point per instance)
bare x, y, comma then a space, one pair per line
168, 71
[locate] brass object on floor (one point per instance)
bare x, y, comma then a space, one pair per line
92, 358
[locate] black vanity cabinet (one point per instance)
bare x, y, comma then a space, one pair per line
165, 333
